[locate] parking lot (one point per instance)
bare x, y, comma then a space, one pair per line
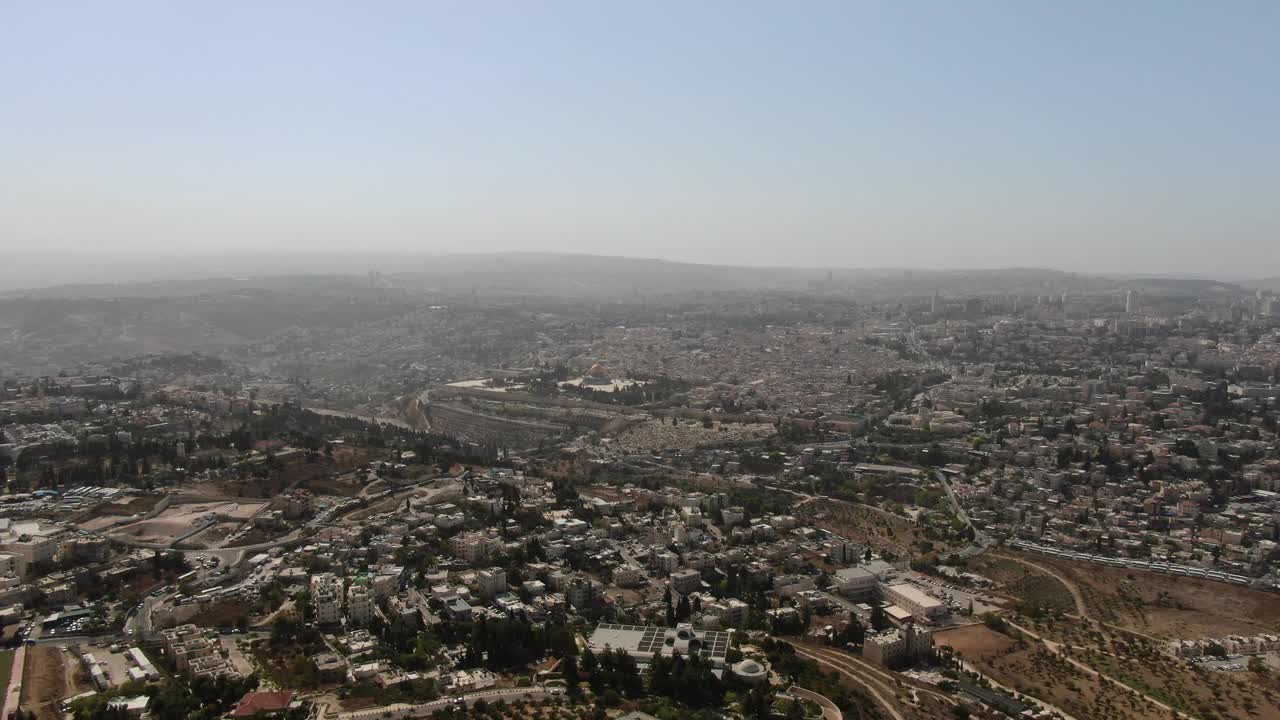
956, 597
115, 663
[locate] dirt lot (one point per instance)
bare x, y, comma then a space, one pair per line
50, 676
107, 514
212, 536
1167, 606
132, 505
221, 614
331, 487
138, 586
180, 518
974, 641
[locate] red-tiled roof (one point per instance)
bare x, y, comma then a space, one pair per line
258, 703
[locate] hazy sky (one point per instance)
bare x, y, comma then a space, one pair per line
1121, 136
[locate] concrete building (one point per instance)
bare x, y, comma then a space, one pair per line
856, 583
32, 541
643, 642
686, 581
730, 613
326, 598
665, 562
733, 516
491, 582
582, 593
194, 653
474, 547
359, 605
899, 646
921, 605
628, 576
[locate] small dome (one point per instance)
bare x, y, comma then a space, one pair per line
750, 671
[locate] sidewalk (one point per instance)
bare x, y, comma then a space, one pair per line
14, 694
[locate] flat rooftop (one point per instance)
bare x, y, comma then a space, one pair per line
897, 613
915, 595
652, 639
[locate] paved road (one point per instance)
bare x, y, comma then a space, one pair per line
870, 686
401, 711
888, 680
829, 709
980, 539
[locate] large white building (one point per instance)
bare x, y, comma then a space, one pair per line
856, 583
31, 541
920, 604
643, 642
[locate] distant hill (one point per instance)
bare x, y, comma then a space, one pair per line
598, 277
1265, 284
57, 326
565, 275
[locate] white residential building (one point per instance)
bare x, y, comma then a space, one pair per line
326, 598
474, 547
491, 582
359, 605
